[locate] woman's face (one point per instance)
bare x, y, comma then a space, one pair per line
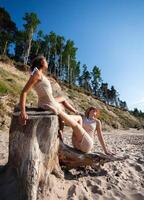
44, 64
93, 113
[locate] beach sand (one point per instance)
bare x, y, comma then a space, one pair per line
119, 180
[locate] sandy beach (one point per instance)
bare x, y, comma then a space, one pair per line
113, 181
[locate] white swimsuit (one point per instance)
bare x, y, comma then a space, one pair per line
90, 126
87, 141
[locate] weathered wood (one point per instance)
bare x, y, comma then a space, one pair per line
73, 158
33, 154
33, 150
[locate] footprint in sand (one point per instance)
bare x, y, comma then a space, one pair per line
77, 192
94, 187
137, 196
140, 161
137, 167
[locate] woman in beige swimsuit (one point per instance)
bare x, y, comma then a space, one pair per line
46, 100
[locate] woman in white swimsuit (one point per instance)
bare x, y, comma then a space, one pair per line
92, 126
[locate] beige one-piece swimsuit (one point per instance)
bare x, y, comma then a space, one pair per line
45, 96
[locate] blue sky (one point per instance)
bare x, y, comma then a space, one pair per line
108, 33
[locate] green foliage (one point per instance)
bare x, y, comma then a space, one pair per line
20, 42
137, 113
84, 79
32, 22
6, 24
96, 79
7, 31
30, 26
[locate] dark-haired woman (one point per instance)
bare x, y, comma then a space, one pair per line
46, 100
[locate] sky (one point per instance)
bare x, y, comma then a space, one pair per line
107, 33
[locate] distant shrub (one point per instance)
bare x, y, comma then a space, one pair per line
5, 59
22, 67
115, 125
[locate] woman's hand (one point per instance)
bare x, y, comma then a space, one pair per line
23, 118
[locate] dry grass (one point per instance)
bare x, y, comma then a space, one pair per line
12, 81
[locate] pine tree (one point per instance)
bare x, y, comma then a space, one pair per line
7, 31
69, 60
60, 49
84, 80
96, 80
30, 26
53, 54
39, 41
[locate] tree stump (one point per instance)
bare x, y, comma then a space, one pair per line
33, 150
33, 154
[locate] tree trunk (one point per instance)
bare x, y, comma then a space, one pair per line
37, 50
29, 47
33, 150
69, 69
5, 48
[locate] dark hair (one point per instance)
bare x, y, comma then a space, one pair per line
36, 62
91, 108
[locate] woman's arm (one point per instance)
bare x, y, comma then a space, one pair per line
33, 79
100, 136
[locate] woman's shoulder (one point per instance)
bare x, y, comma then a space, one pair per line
85, 119
97, 121
36, 74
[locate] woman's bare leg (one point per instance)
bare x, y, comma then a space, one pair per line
78, 118
78, 130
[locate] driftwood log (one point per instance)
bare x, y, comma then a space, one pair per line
73, 158
33, 154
